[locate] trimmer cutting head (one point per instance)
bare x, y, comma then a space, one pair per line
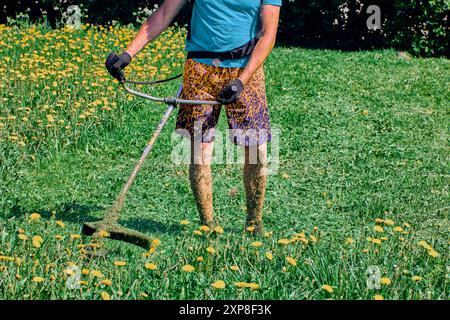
116, 232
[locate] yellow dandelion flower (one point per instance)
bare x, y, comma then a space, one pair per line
385, 281
269, 255
378, 220
327, 288
75, 236
378, 229
349, 241
389, 222
268, 234
59, 237
103, 234
22, 237
376, 241
407, 225
291, 261
184, 222
187, 268
211, 250
425, 245
284, 242
253, 286
37, 241
200, 259
105, 296
37, 279
151, 266
234, 268
218, 229
398, 229
20, 230
416, 278
257, 244
60, 223
85, 272
433, 253
35, 216
240, 284
219, 284
250, 229
119, 263
106, 282
204, 228
156, 242
197, 232
97, 274
378, 297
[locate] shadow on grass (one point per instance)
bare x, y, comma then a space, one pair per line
80, 213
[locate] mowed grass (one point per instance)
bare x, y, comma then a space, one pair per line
362, 183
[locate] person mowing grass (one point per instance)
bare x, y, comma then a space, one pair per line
227, 43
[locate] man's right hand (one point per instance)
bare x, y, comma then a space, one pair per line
116, 63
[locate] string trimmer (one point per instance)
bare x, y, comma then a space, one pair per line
109, 226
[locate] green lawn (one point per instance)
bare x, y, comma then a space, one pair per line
364, 136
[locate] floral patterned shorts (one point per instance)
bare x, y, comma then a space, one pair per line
248, 119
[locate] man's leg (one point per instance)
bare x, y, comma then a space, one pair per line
255, 180
201, 179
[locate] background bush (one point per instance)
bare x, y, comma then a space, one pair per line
420, 27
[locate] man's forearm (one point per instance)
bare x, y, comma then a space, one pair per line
257, 58
155, 25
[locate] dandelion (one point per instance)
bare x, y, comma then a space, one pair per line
59, 237
250, 229
211, 250
327, 288
389, 222
22, 237
187, 268
197, 232
349, 241
37, 241
119, 263
385, 281
106, 282
219, 284
218, 229
75, 236
257, 244
103, 234
155, 243
269, 255
433, 253
97, 274
376, 241
291, 261
425, 245
151, 266
284, 242
60, 223
378, 220
200, 259
398, 229
234, 268
184, 222
268, 234
35, 216
85, 272
20, 230
416, 278
105, 296
378, 297
378, 229
204, 228
37, 279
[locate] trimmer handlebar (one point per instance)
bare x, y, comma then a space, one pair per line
167, 100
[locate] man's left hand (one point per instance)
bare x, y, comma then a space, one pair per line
231, 92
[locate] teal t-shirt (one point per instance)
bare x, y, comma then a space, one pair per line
223, 25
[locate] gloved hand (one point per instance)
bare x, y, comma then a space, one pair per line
116, 63
231, 92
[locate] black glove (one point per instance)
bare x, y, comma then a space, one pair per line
116, 63
231, 92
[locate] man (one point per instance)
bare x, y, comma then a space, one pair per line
227, 44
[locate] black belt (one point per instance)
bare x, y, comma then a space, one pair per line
238, 53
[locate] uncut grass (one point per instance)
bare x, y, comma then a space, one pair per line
363, 136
